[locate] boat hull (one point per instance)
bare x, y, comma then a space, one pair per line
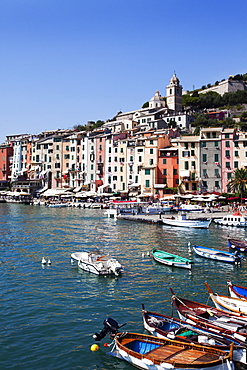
197, 224
171, 259
215, 254
150, 353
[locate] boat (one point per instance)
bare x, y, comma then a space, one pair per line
182, 221
235, 219
237, 244
237, 291
163, 326
96, 263
149, 352
217, 254
171, 259
219, 321
190, 208
230, 304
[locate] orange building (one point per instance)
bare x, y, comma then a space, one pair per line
168, 167
6, 155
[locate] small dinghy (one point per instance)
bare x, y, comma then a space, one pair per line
237, 291
171, 259
96, 263
230, 304
149, 352
217, 254
237, 244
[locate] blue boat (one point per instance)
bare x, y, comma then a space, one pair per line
237, 291
217, 254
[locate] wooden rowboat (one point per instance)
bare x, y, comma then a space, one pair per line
163, 326
219, 321
237, 291
230, 304
217, 254
171, 259
148, 352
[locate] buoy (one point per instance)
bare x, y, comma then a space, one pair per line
143, 254
189, 244
148, 253
43, 261
49, 262
94, 347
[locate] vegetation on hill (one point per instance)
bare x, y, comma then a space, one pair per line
211, 99
91, 125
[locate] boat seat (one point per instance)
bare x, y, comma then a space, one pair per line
141, 346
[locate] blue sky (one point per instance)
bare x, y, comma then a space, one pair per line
66, 62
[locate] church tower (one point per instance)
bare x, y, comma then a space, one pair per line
174, 94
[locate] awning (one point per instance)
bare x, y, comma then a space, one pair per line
54, 192
145, 195
41, 190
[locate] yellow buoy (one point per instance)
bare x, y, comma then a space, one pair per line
94, 347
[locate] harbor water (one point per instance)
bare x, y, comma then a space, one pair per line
49, 313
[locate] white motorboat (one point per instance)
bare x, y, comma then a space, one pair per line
96, 263
235, 219
182, 221
190, 208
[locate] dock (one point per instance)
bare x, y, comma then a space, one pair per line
157, 219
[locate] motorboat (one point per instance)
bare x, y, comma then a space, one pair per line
235, 219
190, 208
182, 221
96, 263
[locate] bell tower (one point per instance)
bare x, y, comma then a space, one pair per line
174, 94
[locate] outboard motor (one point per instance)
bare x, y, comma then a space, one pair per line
110, 327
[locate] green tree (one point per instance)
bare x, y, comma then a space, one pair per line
145, 105
238, 183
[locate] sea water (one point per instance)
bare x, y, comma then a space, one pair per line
50, 313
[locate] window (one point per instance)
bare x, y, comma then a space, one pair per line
57, 147
121, 178
147, 172
109, 150
186, 145
192, 145
192, 153
227, 164
216, 158
216, 184
227, 153
151, 142
208, 135
214, 134
236, 164
216, 143
186, 165
227, 136
204, 144
227, 144
57, 165
121, 150
164, 161
151, 151
151, 161
175, 171
140, 159
147, 183
229, 176
204, 158
204, 172
236, 144
216, 172
236, 153
164, 171
193, 165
